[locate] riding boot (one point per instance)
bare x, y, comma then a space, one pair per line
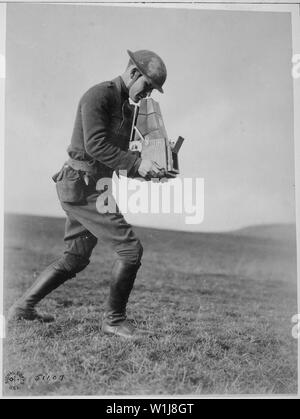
50, 279
123, 277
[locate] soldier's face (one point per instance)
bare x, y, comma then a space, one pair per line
140, 89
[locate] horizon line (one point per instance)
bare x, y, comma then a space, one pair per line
239, 229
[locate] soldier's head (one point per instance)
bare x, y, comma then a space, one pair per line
145, 71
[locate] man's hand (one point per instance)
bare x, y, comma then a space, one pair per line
150, 169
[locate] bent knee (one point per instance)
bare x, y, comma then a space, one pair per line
132, 253
71, 264
77, 255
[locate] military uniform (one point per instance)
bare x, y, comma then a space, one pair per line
101, 138
99, 146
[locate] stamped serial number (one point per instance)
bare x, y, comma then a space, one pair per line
15, 380
49, 378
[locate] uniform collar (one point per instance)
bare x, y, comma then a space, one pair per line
122, 89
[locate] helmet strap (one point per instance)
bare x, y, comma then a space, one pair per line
136, 76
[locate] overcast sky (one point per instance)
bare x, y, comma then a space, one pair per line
228, 92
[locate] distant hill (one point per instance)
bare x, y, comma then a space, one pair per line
285, 232
54, 225
267, 246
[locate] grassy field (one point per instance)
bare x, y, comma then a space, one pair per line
223, 303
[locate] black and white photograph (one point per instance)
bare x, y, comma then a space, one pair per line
150, 197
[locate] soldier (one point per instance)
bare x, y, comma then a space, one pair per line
99, 146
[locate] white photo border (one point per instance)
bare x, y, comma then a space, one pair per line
290, 6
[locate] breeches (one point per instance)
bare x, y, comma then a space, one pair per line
85, 225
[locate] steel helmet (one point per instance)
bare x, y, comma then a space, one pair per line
151, 66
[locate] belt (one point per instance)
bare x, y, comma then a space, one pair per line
85, 166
